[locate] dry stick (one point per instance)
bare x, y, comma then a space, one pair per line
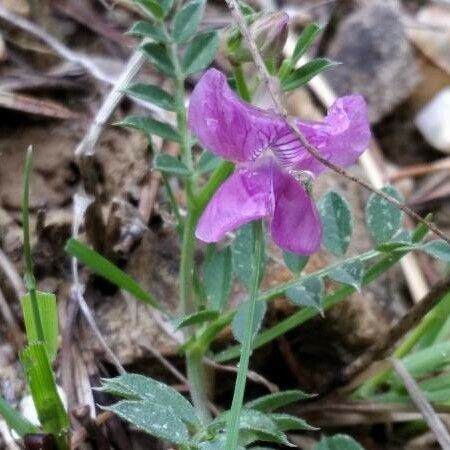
277, 98
422, 403
397, 331
420, 169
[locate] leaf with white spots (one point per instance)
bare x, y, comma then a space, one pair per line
152, 418
438, 249
242, 254
295, 263
350, 273
383, 218
307, 293
337, 222
138, 387
240, 320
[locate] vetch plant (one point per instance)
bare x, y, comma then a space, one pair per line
243, 170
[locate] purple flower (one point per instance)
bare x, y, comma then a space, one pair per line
270, 162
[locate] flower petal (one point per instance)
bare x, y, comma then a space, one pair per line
246, 196
341, 138
226, 125
296, 225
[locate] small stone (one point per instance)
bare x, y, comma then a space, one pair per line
432, 121
377, 58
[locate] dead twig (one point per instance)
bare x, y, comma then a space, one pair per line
397, 331
423, 405
277, 99
420, 169
11, 273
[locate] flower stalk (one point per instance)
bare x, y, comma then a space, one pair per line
238, 396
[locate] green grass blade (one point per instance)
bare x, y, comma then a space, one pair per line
106, 269
15, 420
49, 313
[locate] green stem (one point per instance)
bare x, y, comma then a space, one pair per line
29, 276
239, 390
197, 383
241, 83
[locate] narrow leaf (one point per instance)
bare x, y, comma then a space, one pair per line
240, 319
438, 249
277, 400
40, 380
187, 20
152, 418
200, 52
304, 41
286, 422
15, 420
196, 318
102, 267
382, 218
138, 387
48, 312
150, 127
307, 72
307, 293
350, 273
152, 94
337, 222
217, 277
242, 251
158, 56
207, 162
157, 9
146, 29
295, 263
169, 164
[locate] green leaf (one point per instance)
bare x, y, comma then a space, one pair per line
187, 19
307, 72
157, 9
338, 442
169, 164
40, 380
200, 52
337, 222
438, 249
286, 422
307, 293
196, 318
138, 387
240, 319
158, 56
217, 277
152, 94
146, 29
242, 251
295, 263
150, 127
102, 267
152, 418
15, 420
382, 218
304, 41
277, 400
207, 162
48, 312
350, 273
257, 426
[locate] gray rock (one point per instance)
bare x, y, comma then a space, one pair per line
377, 58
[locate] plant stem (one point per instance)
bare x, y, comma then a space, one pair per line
239, 390
29, 276
197, 383
241, 83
